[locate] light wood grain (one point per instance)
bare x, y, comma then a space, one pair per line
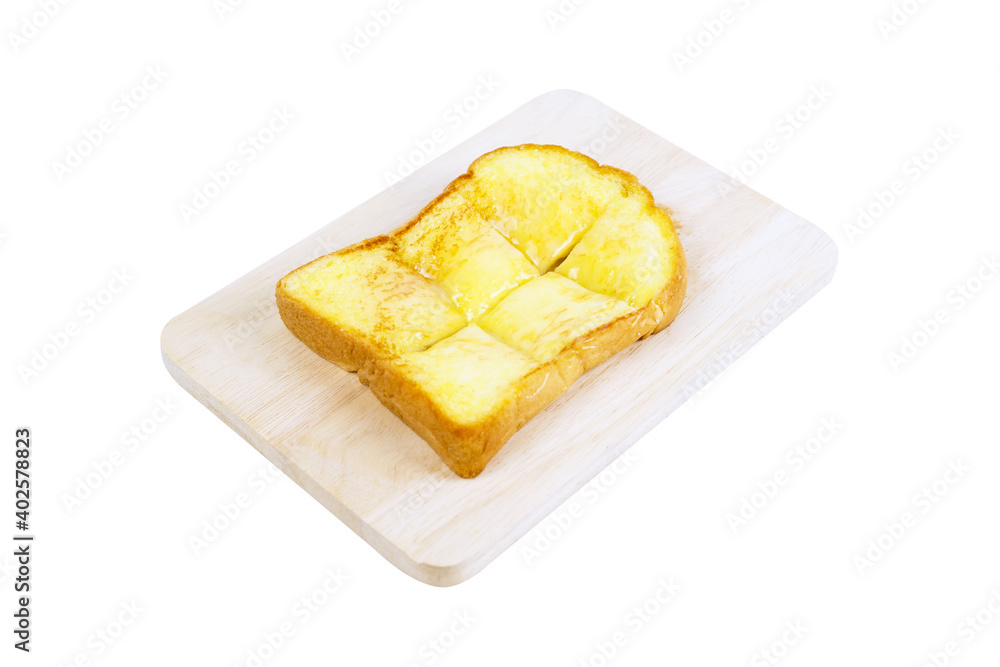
751, 264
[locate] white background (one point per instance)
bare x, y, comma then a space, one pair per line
795, 561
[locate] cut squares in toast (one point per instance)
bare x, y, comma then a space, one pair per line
368, 303
547, 314
465, 395
557, 198
472, 368
629, 253
533, 267
452, 244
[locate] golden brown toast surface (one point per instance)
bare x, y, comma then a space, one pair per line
530, 269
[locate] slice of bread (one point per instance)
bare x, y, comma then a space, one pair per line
533, 267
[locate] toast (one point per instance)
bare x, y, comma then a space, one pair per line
533, 267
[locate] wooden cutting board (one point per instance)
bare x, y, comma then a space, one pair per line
751, 264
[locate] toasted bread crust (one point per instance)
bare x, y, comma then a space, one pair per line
670, 300
348, 349
466, 448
